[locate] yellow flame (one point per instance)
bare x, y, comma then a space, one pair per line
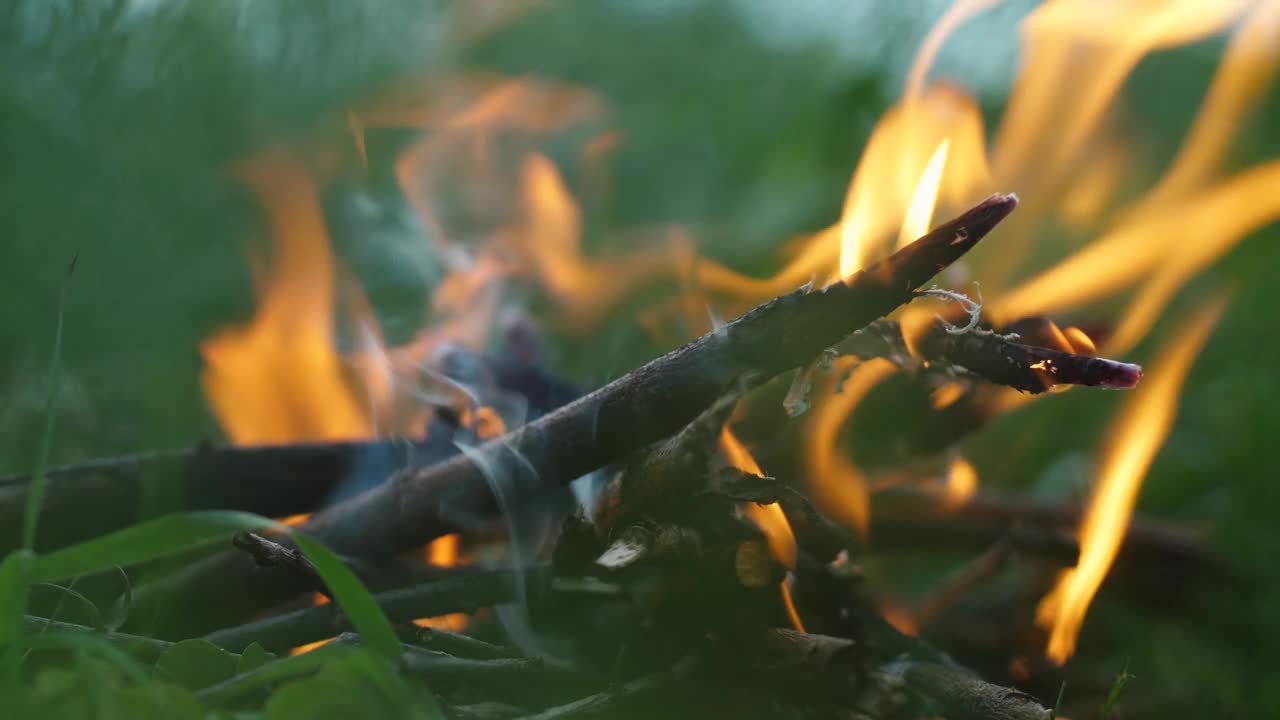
838, 487
919, 215
1170, 247
1078, 53
902, 169
1135, 436
737, 455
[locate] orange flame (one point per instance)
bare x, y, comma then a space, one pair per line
768, 517
443, 552
772, 521
1136, 435
839, 488
259, 378
309, 646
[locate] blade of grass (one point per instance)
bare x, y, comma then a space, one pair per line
182, 532
353, 597
35, 494
1116, 688
147, 541
15, 577
68, 591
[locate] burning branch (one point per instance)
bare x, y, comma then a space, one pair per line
993, 357
648, 404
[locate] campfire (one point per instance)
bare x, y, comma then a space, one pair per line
708, 532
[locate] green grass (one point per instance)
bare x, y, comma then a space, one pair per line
35, 497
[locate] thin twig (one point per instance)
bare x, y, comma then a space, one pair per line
465, 593
615, 699
993, 357
272, 554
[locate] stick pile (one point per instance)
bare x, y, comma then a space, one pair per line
663, 596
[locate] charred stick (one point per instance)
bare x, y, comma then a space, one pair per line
269, 480
465, 593
647, 404
272, 554
994, 357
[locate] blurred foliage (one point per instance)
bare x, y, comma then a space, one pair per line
120, 119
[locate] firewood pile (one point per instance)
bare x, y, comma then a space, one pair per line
675, 579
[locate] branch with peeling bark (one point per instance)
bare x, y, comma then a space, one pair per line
996, 358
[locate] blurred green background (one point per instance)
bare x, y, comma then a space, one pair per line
742, 121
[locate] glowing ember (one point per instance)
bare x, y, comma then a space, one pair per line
1135, 437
